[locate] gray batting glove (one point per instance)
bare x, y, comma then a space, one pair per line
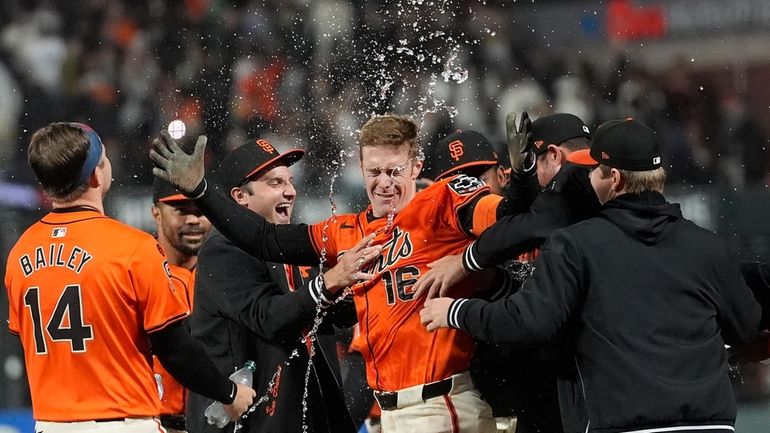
520, 143
176, 167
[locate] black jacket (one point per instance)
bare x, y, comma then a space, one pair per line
521, 381
567, 199
647, 300
243, 310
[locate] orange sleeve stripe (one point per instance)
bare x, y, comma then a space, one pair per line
485, 213
171, 320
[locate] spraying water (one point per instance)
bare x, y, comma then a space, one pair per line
395, 72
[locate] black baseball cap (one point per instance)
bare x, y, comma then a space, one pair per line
461, 151
625, 144
556, 129
163, 191
251, 158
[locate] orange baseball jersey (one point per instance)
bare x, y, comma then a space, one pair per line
399, 352
84, 291
174, 394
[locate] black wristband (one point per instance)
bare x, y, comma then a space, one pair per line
198, 191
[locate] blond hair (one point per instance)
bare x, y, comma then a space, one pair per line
389, 130
636, 182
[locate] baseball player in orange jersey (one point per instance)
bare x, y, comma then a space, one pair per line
421, 380
470, 153
89, 297
181, 228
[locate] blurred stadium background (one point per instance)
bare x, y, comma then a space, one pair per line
307, 73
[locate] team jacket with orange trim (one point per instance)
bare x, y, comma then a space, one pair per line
248, 309
440, 220
174, 394
84, 292
568, 199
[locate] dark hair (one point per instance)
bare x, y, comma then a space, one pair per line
56, 154
389, 130
576, 143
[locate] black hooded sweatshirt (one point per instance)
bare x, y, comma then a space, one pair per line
645, 301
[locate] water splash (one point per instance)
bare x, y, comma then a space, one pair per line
309, 340
269, 391
519, 270
340, 163
453, 71
423, 52
431, 104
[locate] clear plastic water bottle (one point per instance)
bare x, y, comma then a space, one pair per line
215, 413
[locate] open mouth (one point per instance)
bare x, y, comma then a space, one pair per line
283, 210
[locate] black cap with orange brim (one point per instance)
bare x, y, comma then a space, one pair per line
463, 151
625, 144
251, 159
556, 129
164, 192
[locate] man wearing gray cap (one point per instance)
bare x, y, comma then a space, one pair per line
645, 299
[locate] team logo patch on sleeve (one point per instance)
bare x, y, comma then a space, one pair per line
463, 184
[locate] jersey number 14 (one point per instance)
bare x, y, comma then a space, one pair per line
69, 304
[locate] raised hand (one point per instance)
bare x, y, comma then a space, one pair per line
442, 275
176, 167
520, 142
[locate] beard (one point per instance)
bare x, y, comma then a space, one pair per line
188, 248
185, 246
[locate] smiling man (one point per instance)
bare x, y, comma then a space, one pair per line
252, 309
421, 379
181, 229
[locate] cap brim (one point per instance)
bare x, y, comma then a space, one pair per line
175, 197
582, 157
452, 171
288, 158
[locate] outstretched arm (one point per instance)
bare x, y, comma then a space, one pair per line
187, 361
533, 314
247, 291
281, 243
569, 198
288, 243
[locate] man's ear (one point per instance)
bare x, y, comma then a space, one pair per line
155, 213
417, 169
93, 180
502, 179
557, 153
618, 183
239, 196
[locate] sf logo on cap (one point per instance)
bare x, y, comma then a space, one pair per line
265, 145
456, 149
